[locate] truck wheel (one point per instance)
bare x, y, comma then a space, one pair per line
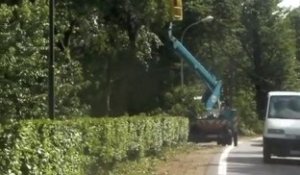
266, 153
235, 138
229, 138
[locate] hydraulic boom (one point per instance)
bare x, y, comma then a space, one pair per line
214, 85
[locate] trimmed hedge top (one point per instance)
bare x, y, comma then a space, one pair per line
84, 146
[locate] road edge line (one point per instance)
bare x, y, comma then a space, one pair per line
222, 168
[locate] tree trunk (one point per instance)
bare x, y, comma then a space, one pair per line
108, 87
258, 78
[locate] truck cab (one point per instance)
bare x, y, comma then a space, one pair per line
281, 135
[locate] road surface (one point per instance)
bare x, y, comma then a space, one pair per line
246, 159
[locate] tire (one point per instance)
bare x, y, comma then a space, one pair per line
229, 138
235, 139
266, 153
229, 141
222, 139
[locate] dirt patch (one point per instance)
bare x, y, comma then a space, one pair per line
193, 162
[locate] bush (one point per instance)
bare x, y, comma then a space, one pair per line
181, 101
84, 146
249, 123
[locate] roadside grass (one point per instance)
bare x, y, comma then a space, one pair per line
148, 165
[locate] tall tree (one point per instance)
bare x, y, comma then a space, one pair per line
267, 43
116, 46
23, 65
215, 43
294, 17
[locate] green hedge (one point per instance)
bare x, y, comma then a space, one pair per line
84, 146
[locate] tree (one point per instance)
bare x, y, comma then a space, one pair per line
267, 43
294, 17
116, 47
23, 64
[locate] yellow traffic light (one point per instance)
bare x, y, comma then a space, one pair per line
177, 10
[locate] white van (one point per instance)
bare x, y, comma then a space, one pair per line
281, 135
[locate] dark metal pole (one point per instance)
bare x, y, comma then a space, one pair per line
51, 98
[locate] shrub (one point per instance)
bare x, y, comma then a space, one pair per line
84, 146
249, 123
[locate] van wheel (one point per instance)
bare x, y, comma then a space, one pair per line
266, 153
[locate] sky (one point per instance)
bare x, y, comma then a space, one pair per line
290, 3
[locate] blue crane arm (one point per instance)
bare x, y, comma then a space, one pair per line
215, 86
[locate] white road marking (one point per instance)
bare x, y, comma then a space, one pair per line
222, 169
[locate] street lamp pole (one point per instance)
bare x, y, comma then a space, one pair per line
206, 19
51, 97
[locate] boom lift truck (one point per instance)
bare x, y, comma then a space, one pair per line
218, 124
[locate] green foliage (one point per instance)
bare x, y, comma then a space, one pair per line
267, 41
24, 65
85, 146
184, 101
294, 21
115, 43
114, 56
248, 121
149, 165
23, 61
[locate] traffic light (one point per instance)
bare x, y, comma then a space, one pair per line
177, 10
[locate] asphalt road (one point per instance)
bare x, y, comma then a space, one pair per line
246, 159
